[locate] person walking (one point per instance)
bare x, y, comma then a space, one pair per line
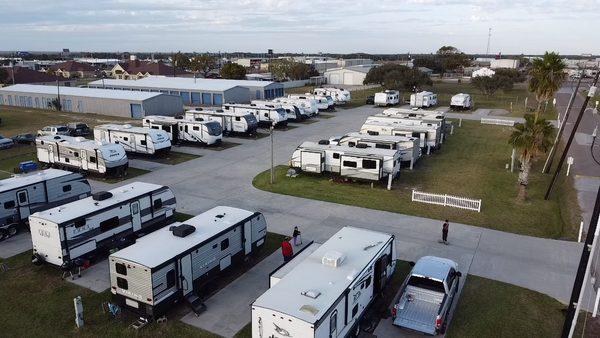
445, 227
297, 237
286, 250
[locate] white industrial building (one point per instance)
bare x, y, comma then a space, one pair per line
195, 92
111, 102
504, 63
350, 76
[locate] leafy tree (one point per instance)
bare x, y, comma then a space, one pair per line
203, 64
512, 74
3, 75
547, 76
233, 71
397, 77
302, 71
531, 139
488, 85
431, 62
452, 59
55, 104
281, 68
181, 61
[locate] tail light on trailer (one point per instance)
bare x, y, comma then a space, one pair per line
394, 311
438, 322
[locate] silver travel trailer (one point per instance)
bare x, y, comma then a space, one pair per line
231, 122
409, 148
292, 112
387, 98
359, 162
22, 195
134, 139
327, 294
265, 115
423, 99
149, 278
180, 129
80, 154
412, 118
429, 134
101, 222
461, 101
303, 107
322, 102
339, 96
309, 105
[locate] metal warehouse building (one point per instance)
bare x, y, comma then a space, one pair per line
353, 75
123, 103
210, 92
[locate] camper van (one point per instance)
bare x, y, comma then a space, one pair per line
265, 115
322, 102
103, 221
423, 99
327, 293
409, 148
461, 102
134, 139
80, 154
339, 96
149, 278
429, 134
303, 106
231, 122
292, 112
387, 98
22, 195
360, 162
179, 129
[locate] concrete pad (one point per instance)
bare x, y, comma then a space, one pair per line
95, 278
146, 165
15, 245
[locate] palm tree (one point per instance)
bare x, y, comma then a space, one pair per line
531, 139
547, 75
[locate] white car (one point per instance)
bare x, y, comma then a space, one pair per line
5, 143
54, 130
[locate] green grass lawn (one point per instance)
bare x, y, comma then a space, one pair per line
471, 163
488, 308
41, 303
10, 158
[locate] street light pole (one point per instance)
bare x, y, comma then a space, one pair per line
272, 155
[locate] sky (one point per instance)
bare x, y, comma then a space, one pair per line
302, 26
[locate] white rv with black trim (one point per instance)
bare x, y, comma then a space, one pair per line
22, 195
339, 96
430, 120
179, 129
408, 146
307, 104
102, 221
423, 99
174, 263
291, 111
300, 108
461, 101
323, 103
429, 134
387, 98
265, 115
80, 154
231, 122
359, 162
134, 139
327, 293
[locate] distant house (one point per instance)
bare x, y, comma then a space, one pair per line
483, 72
136, 69
352, 76
71, 69
24, 75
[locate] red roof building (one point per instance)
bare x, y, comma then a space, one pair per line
22, 75
73, 69
135, 69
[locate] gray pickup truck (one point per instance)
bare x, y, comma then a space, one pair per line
426, 296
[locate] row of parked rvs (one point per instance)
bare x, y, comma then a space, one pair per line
422, 99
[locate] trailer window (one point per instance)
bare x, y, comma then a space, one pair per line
336, 155
369, 164
76, 154
157, 204
237, 118
122, 283
110, 223
79, 223
9, 205
170, 279
121, 269
350, 164
351, 144
196, 128
370, 132
383, 146
125, 139
225, 244
92, 159
155, 127
333, 323
143, 142
22, 197
66, 188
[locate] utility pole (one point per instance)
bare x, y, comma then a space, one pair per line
59, 105
590, 94
272, 129
487, 50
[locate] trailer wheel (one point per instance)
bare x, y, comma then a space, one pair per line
12, 230
3, 234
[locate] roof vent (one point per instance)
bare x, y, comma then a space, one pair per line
101, 195
333, 259
182, 230
311, 293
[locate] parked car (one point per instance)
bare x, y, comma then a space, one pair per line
5, 143
24, 139
53, 130
370, 99
79, 129
425, 300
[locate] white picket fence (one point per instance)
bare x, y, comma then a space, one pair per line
447, 200
499, 122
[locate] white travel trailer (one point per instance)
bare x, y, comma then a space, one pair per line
231, 122
387, 98
339, 96
179, 129
22, 195
358, 162
327, 294
101, 222
303, 106
461, 102
264, 115
409, 148
291, 111
149, 278
429, 134
322, 102
80, 154
134, 139
415, 117
423, 99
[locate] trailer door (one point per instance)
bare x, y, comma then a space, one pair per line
23, 199
312, 161
187, 282
248, 237
136, 219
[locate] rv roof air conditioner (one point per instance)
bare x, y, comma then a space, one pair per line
182, 230
101, 195
324, 142
311, 293
333, 259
